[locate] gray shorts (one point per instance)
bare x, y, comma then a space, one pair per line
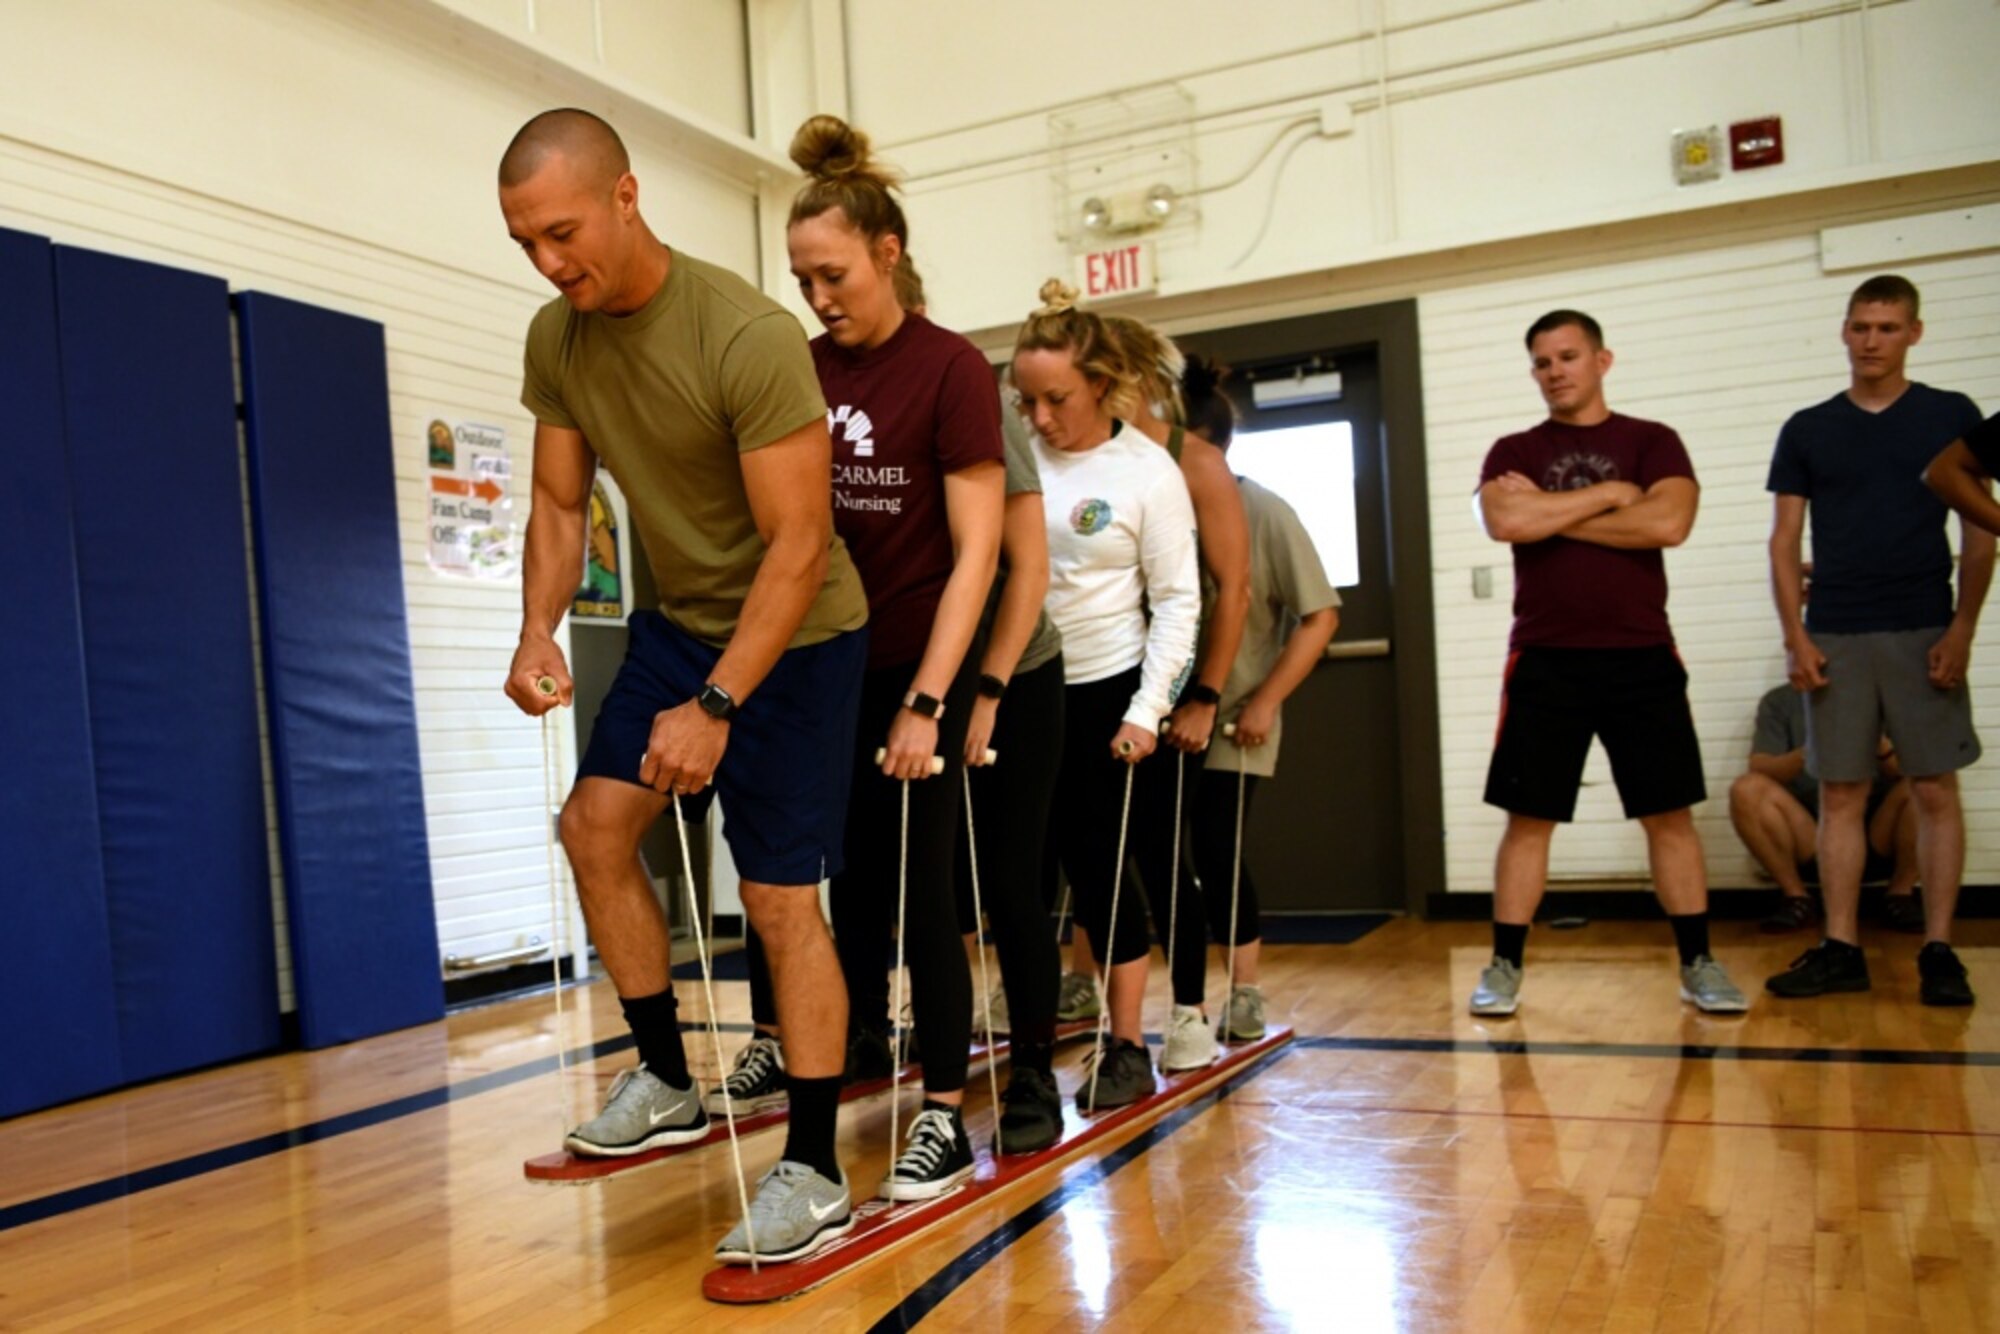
1880, 682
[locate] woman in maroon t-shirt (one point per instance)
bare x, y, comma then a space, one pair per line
918, 498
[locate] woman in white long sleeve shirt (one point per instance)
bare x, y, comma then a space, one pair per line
1124, 590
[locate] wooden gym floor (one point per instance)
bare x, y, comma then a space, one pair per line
1608, 1160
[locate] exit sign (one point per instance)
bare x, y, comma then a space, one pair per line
1120, 271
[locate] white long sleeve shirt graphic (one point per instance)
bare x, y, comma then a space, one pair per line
1122, 543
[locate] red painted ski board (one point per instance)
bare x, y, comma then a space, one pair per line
564, 1168
880, 1227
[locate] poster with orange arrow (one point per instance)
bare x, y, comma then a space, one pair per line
471, 505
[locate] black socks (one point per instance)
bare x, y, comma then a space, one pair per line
1509, 941
1691, 935
809, 1136
656, 1029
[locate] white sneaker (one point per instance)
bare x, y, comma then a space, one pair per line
1190, 1040
996, 1005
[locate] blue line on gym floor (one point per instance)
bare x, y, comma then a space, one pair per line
213, 1160
925, 1299
1685, 1051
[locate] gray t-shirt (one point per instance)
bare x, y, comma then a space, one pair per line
1287, 584
1781, 729
1023, 478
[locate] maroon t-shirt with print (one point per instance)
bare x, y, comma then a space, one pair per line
1571, 594
902, 416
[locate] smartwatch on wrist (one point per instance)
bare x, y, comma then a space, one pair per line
924, 706
1201, 694
716, 702
990, 686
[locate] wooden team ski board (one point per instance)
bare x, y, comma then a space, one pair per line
564, 1168
880, 1226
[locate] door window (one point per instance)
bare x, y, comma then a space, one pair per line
1312, 467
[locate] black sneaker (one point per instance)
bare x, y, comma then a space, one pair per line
1792, 914
1942, 976
757, 1081
1123, 1074
1827, 966
868, 1056
1031, 1115
1904, 912
937, 1156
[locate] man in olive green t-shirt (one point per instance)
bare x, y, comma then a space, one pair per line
699, 394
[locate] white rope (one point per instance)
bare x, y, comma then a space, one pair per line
557, 904
1235, 888
1104, 947
896, 1006
715, 1032
985, 985
1174, 882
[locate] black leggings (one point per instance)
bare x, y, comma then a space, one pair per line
1150, 846
1010, 807
1214, 820
1090, 790
863, 897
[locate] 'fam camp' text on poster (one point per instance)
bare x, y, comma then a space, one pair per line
470, 491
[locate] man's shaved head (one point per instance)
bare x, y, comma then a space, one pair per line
592, 149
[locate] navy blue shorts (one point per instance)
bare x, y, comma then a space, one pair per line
784, 778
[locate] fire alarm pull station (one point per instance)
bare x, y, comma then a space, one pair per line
1756, 143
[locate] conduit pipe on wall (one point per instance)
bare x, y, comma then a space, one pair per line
1029, 161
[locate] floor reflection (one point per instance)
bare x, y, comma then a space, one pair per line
1326, 1272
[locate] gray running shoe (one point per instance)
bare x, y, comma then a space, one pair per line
996, 1005
1190, 1043
1125, 1076
1704, 983
1499, 991
756, 1081
1244, 1019
642, 1113
796, 1212
1078, 998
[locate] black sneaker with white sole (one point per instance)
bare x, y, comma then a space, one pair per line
936, 1157
756, 1082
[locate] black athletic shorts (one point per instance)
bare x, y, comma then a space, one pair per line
1556, 699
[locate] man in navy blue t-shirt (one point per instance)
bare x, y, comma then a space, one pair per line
1882, 648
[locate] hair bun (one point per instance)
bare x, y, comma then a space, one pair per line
1202, 376
1057, 297
829, 148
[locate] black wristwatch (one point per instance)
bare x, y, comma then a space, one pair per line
925, 706
991, 686
1201, 694
716, 702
